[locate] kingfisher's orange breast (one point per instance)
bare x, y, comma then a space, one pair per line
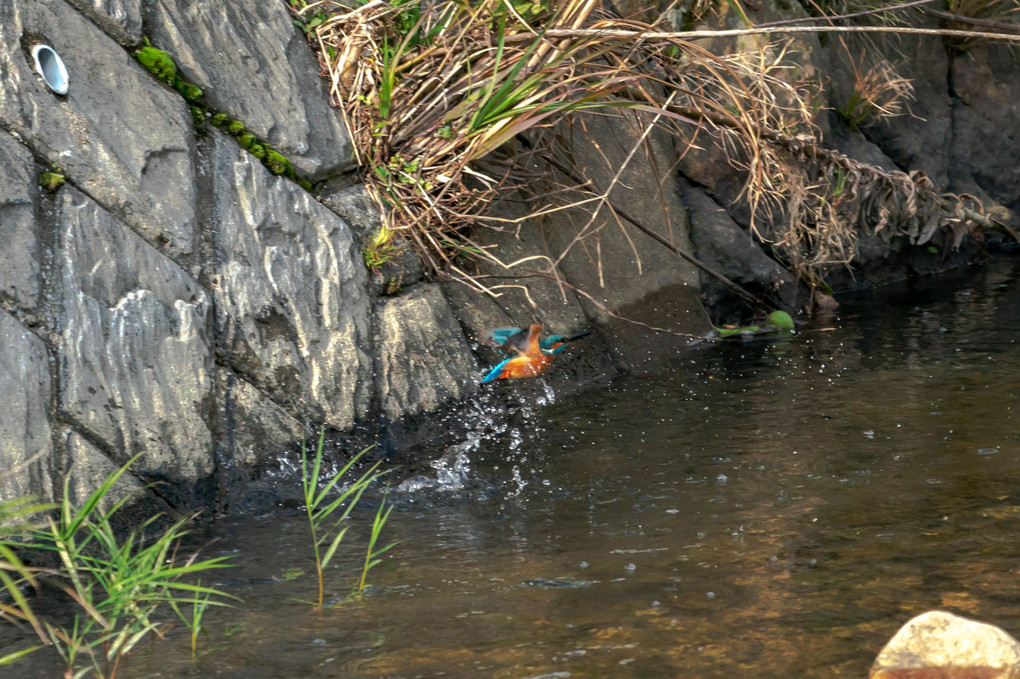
527, 365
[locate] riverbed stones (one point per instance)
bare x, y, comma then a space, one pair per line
134, 357
292, 306
19, 245
25, 438
424, 360
126, 143
937, 644
256, 66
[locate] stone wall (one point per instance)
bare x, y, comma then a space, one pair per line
174, 297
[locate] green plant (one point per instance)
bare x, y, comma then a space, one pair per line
15, 518
117, 583
879, 92
328, 506
380, 249
191, 93
194, 621
51, 181
158, 62
278, 163
371, 553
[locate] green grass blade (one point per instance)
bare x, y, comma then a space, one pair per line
14, 657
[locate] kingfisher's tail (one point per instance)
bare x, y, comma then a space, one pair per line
495, 372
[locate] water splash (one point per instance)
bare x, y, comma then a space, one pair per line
452, 470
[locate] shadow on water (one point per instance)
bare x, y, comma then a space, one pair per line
766, 510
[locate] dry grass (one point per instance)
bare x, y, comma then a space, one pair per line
450, 104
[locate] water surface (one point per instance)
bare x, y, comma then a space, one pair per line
768, 510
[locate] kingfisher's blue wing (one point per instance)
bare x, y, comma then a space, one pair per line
513, 339
494, 373
501, 335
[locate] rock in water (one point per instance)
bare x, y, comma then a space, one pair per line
941, 645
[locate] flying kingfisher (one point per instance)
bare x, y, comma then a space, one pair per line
532, 356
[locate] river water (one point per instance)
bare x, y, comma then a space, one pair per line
767, 510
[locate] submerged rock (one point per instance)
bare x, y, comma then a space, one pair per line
937, 644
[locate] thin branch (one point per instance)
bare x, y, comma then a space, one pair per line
737, 32
959, 18
844, 17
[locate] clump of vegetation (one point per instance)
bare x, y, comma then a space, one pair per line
16, 518
381, 249
52, 180
329, 504
879, 92
278, 163
117, 584
450, 103
158, 62
997, 15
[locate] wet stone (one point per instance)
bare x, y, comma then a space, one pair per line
19, 246
117, 134
424, 359
257, 67
292, 307
134, 360
88, 468
256, 428
26, 448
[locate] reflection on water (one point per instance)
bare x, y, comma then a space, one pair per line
767, 510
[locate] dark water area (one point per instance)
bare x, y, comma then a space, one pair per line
768, 510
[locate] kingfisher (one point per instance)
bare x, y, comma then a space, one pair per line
532, 356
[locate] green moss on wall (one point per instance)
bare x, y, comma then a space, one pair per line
51, 181
277, 163
191, 93
158, 63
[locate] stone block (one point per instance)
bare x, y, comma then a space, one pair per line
256, 428
88, 468
257, 67
627, 281
19, 243
292, 307
122, 19
135, 364
732, 252
117, 134
937, 644
26, 444
424, 360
